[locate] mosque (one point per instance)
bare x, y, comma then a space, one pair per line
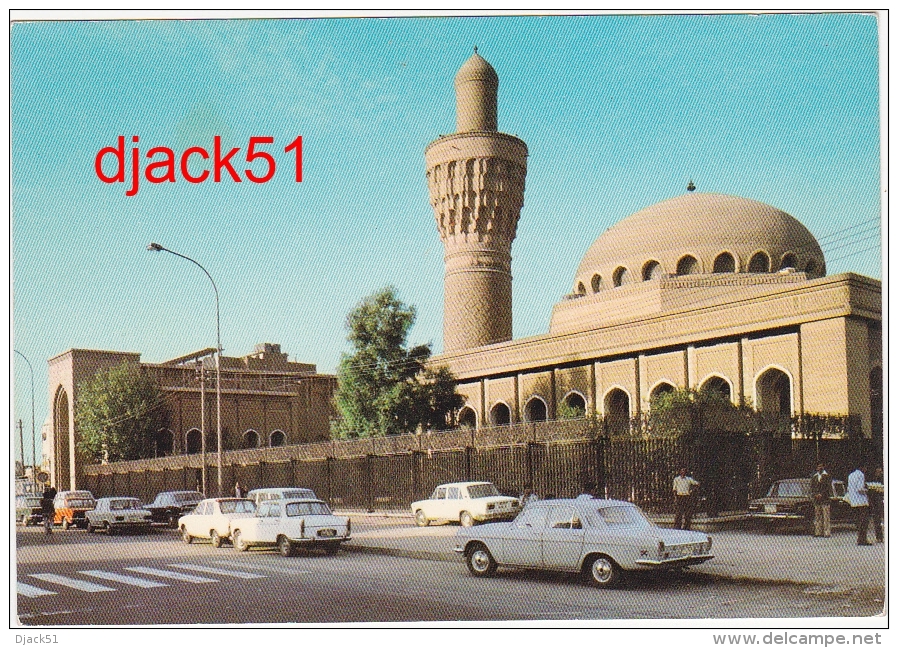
703, 291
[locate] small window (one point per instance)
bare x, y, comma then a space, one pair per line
651, 271
277, 439
562, 517
760, 262
533, 517
274, 510
581, 289
789, 261
263, 509
687, 265
620, 277
596, 283
724, 263
811, 267
439, 493
453, 493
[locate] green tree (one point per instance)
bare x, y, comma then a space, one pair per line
118, 414
384, 387
690, 411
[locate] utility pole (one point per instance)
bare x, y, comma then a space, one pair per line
22, 447
203, 421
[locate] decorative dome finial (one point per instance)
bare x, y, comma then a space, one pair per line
690, 186
475, 49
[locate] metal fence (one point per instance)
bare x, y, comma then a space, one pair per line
555, 460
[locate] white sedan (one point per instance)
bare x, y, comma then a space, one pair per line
213, 519
599, 538
466, 503
288, 524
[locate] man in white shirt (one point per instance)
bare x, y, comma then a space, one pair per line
856, 493
682, 488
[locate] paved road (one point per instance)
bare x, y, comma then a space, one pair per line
77, 579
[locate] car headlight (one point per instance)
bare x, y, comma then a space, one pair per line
490, 507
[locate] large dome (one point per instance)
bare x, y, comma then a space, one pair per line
698, 233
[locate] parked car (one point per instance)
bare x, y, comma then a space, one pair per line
259, 495
113, 514
466, 502
171, 505
212, 519
288, 524
790, 500
71, 507
602, 539
28, 510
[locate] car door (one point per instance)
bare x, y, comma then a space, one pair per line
562, 538
197, 523
453, 504
269, 522
520, 541
435, 506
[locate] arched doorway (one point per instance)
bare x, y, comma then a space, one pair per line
61, 415
277, 439
575, 405
660, 390
164, 443
535, 410
193, 441
500, 414
717, 385
773, 391
467, 418
617, 411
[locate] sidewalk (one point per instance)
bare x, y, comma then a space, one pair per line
822, 565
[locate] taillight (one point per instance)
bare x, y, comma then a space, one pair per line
302, 528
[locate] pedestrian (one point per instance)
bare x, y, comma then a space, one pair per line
876, 495
856, 493
48, 510
822, 492
683, 486
238, 490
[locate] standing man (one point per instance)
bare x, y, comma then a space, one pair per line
239, 491
682, 488
822, 492
876, 495
856, 492
48, 510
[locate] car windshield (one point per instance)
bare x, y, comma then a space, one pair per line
237, 506
124, 504
307, 508
790, 489
187, 498
624, 516
482, 490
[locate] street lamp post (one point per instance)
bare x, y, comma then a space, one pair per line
155, 247
33, 438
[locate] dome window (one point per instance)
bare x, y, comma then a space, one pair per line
651, 270
760, 262
789, 261
581, 289
724, 263
596, 283
687, 265
620, 277
811, 268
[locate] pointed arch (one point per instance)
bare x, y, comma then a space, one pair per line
617, 411
500, 414
535, 409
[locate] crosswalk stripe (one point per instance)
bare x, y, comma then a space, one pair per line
121, 578
74, 583
31, 591
220, 572
164, 573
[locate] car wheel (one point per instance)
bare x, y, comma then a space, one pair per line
186, 537
238, 542
421, 518
24, 520
466, 519
108, 529
602, 571
285, 546
66, 524
172, 521
90, 528
480, 562
216, 539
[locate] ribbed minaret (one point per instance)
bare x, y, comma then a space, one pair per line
476, 182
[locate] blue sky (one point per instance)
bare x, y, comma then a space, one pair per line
618, 112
